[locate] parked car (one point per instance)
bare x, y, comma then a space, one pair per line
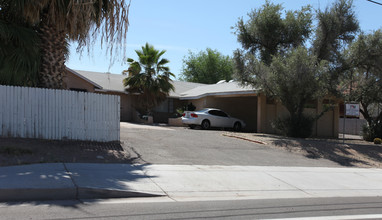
211, 117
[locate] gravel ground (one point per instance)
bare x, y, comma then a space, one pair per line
350, 152
17, 151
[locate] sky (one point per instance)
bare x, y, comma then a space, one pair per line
180, 26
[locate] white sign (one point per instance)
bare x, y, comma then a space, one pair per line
352, 110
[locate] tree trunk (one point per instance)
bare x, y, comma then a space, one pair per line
53, 50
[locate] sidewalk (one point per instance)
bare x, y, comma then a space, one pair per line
184, 182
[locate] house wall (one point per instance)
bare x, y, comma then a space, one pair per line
326, 126
74, 82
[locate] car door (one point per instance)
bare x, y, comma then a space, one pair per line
220, 119
214, 118
225, 120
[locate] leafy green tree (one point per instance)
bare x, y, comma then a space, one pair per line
149, 77
59, 21
272, 46
336, 29
268, 33
364, 82
208, 67
294, 78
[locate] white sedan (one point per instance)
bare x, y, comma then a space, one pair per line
211, 117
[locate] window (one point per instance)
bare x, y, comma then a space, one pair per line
222, 114
213, 112
218, 113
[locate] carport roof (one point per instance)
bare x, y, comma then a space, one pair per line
109, 82
220, 89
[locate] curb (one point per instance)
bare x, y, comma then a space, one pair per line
93, 193
7, 195
245, 139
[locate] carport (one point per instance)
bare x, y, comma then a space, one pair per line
239, 102
256, 110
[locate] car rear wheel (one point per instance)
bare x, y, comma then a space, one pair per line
206, 124
237, 126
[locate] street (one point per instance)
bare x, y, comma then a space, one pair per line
162, 208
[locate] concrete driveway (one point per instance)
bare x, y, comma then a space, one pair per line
180, 145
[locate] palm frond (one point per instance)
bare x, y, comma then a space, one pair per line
20, 57
151, 79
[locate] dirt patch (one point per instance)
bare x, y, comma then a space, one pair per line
354, 153
16, 151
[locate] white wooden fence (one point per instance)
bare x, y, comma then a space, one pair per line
58, 114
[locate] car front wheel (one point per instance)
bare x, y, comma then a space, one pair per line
237, 126
206, 124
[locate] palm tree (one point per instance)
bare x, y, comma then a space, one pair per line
149, 78
19, 55
59, 21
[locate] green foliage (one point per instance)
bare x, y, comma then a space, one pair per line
301, 126
56, 22
294, 78
268, 32
377, 141
149, 78
208, 67
190, 107
336, 27
371, 131
275, 59
19, 55
364, 81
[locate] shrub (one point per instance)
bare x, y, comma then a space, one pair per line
190, 107
377, 140
301, 127
370, 132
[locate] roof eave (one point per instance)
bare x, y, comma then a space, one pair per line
217, 94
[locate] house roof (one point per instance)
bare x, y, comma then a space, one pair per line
183, 90
114, 82
106, 81
219, 89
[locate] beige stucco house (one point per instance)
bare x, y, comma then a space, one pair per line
245, 103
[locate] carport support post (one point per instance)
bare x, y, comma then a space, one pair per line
261, 113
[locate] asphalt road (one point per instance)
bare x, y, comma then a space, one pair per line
328, 208
179, 145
